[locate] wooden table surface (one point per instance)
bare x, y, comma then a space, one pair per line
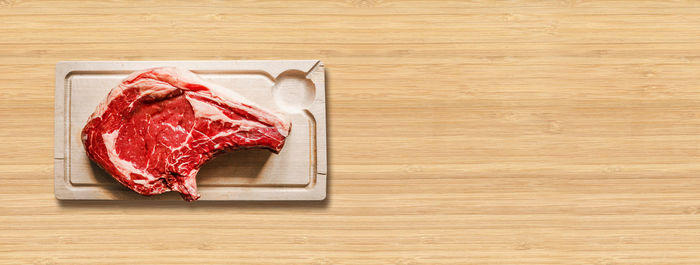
460, 132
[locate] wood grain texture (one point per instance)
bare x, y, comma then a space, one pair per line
460, 132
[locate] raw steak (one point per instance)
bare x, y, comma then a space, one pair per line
155, 130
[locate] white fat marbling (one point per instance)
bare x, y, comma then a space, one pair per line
124, 167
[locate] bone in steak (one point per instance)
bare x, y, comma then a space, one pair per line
158, 126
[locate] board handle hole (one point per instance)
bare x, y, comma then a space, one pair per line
293, 92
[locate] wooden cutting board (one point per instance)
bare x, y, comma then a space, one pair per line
296, 88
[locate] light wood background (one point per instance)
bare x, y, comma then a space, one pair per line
460, 132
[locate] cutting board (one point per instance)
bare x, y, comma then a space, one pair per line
294, 87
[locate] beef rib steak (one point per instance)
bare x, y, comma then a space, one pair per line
159, 126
